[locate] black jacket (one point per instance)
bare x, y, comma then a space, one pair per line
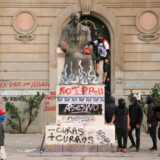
1, 134
110, 109
135, 114
150, 115
156, 111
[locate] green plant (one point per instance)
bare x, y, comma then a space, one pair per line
155, 93
16, 117
28, 115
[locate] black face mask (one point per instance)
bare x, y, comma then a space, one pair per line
100, 40
149, 100
122, 103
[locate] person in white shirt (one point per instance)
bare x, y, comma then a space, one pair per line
103, 53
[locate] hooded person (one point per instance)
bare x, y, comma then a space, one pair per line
156, 110
136, 117
110, 109
152, 122
121, 118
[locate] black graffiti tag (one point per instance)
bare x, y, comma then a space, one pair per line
102, 137
69, 135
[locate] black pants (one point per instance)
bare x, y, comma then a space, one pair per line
152, 132
133, 126
159, 132
122, 133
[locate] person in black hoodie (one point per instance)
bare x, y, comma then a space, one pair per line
152, 122
121, 118
110, 109
136, 117
156, 110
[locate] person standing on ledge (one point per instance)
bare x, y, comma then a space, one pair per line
103, 53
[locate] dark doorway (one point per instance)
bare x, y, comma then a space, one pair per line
96, 26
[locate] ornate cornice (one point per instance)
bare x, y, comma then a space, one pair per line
85, 6
130, 4
34, 5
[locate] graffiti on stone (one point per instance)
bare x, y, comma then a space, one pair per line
80, 95
11, 98
99, 99
119, 81
78, 119
23, 84
19, 92
80, 109
79, 134
102, 137
50, 103
80, 90
69, 135
134, 85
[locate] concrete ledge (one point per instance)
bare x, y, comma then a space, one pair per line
72, 148
54, 148
90, 148
80, 148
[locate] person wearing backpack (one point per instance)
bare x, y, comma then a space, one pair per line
102, 53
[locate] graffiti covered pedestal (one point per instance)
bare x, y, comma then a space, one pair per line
80, 138
80, 121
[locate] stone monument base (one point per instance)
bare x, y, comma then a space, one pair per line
80, 138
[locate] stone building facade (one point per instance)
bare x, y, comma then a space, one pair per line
29, 35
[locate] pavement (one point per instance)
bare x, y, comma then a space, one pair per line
27, 147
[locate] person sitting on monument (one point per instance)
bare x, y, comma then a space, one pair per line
103, 53
78, 67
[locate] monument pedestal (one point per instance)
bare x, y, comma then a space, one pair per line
80, 138
80, 120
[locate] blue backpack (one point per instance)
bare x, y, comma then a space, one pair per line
2, 117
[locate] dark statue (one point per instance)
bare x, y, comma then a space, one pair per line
78, 67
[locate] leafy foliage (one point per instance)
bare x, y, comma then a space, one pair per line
27, 116
155, 93
16, 117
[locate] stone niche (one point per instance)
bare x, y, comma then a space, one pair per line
80, 124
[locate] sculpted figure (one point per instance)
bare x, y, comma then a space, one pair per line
78, 68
